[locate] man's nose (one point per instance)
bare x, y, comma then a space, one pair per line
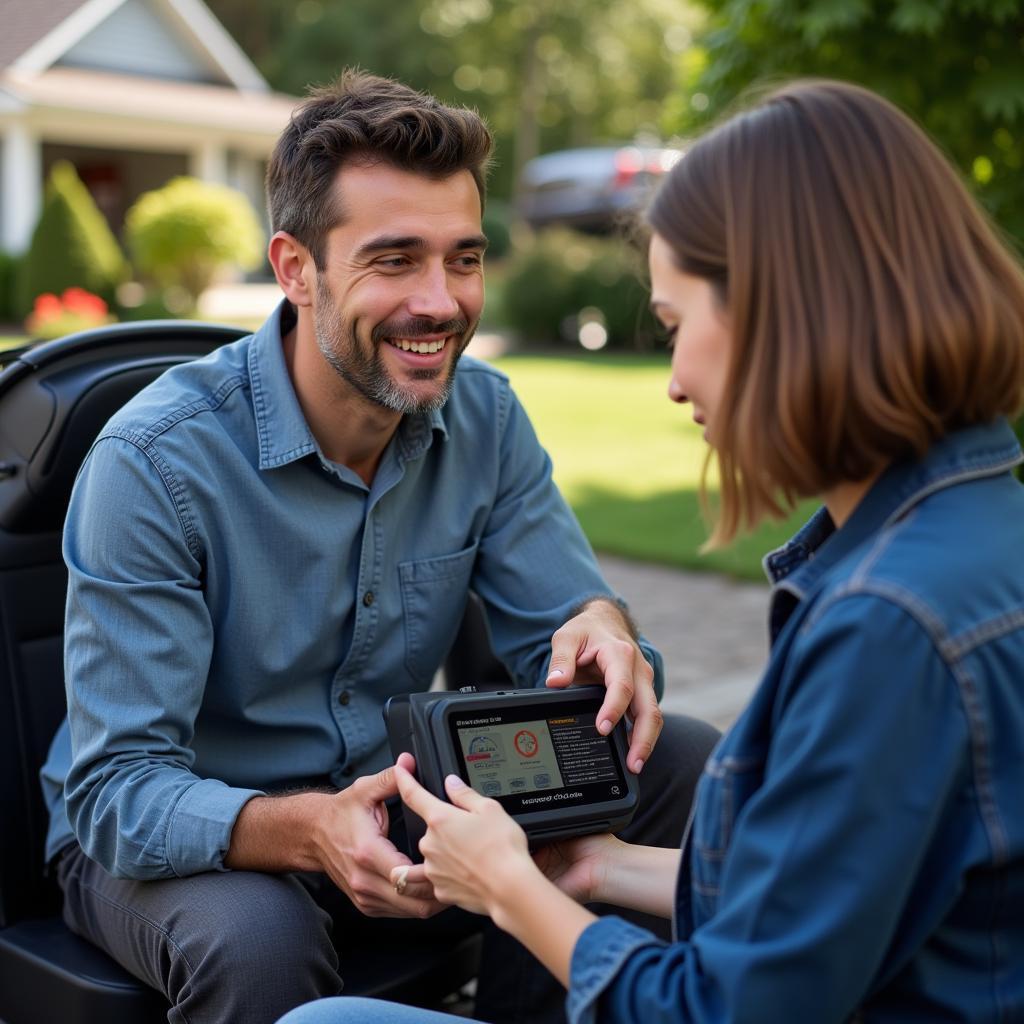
433, 297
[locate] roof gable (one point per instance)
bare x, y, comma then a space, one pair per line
178, 39
136, 40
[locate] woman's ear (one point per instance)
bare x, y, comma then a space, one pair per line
293, 267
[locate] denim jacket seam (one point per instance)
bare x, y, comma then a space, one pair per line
968, 469
981, 764
962, 644
951, 653
588, 986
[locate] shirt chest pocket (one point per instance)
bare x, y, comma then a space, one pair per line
727, 784
434, 592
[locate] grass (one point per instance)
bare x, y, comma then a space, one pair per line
11, 341
629, 461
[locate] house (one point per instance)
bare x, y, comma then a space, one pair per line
132, 92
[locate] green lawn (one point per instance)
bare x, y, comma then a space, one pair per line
629, 460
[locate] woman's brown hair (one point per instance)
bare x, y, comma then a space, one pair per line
871, 306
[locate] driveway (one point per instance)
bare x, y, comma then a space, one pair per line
711, 630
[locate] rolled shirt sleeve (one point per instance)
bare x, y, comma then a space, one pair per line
825, 856
137, 650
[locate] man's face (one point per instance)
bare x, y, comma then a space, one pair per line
402, 289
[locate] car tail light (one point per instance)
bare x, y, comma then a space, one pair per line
628, 164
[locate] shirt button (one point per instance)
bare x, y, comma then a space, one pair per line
344, 697
368, 598
348, 771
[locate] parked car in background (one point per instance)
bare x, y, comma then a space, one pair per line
590, 188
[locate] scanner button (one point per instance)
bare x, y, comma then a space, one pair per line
344, 697
368, 598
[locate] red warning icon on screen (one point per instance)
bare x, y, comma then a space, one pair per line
526, 743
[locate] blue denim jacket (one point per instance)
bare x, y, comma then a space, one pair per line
857, 842
240, 608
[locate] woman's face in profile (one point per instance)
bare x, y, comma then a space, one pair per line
699, 336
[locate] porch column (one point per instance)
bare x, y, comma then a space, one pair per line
21, 186
209, 162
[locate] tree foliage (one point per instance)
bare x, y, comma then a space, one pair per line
956, 65
545, 75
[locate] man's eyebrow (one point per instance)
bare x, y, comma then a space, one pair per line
382, 243
387, 243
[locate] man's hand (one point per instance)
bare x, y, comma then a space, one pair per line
354, 849
597, 645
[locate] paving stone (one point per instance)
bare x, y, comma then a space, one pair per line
711, 630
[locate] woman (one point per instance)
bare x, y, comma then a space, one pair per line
846, 325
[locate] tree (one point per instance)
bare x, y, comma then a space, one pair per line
956, 65
72, 246
545, 75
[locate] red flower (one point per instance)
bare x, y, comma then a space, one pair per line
47, 306
78, 300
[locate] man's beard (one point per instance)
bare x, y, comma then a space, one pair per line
366, 371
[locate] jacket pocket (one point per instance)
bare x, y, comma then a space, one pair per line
726, 785
434, 592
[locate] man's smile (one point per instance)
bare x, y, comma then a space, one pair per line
418, 344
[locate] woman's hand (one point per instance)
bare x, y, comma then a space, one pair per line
579, 867
472, 846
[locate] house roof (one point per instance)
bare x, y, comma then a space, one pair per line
38, 33
27, 21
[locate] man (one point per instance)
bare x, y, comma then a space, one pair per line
267, 543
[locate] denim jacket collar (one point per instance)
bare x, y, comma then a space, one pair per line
284, 434
977, 451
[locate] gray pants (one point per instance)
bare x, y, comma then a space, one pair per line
243, 947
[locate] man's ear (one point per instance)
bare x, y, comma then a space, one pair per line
293, 267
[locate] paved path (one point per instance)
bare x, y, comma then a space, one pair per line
711, 630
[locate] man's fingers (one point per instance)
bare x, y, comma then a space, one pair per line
566, 645
413, 795
381, 786
410, 881
647, 725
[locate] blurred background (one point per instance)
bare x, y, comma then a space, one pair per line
136, 132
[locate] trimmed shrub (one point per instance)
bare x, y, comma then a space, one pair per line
72, 246
9, 268
181, 235
560, 280
496, 224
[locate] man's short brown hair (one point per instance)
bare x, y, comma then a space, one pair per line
364, 118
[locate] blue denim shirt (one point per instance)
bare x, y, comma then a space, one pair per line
240, 608
857, 842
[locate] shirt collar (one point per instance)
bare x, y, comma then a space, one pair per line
284, 434
978, 451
